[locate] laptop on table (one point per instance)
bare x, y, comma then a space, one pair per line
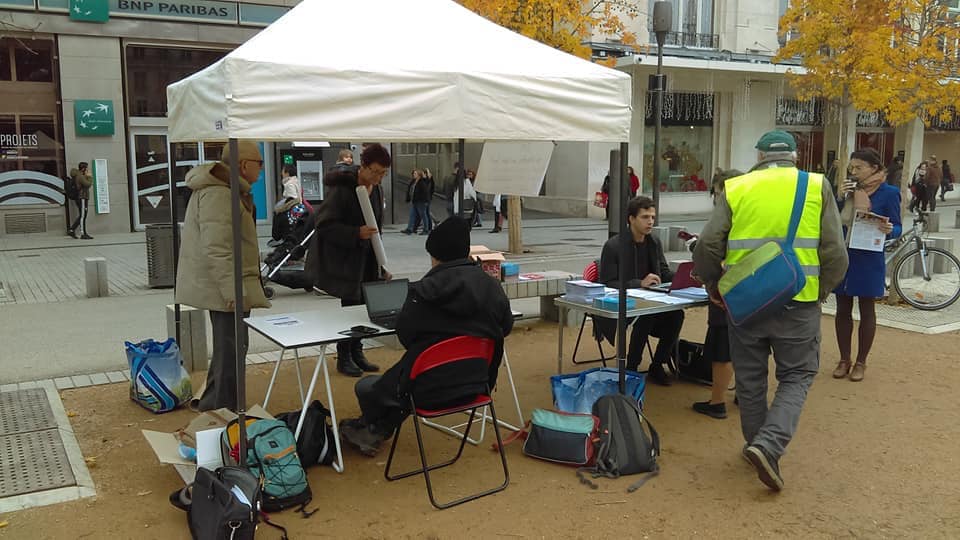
682, 279
384, 299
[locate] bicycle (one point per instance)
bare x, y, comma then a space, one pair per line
926, 277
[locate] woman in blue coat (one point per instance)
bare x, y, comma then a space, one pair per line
865, 279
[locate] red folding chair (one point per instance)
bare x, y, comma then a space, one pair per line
458, 349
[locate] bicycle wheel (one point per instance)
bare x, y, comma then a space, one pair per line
942, 286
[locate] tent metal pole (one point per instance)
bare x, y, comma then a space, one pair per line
626, 238
175, 232
461, 174
240, 347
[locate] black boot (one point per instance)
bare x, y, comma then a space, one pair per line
345, 363
356, 352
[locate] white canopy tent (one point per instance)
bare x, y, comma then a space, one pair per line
398, 71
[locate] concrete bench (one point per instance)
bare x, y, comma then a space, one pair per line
551, 285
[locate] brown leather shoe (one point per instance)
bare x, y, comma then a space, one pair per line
856, 374
843, 368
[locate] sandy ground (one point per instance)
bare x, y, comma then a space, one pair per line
876, 459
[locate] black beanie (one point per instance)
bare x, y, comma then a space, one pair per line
449, 240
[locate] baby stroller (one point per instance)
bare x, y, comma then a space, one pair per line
293, 248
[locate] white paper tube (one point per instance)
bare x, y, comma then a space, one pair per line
364, 197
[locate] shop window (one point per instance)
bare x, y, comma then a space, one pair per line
151, 66
39, 137
686, 143
4, 61
33, 60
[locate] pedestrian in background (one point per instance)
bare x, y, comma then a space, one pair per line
931, 184
918, 186
83, 180
865, 277
205, 271
751, 209
946, 184
634, 182
895, 172
345, 256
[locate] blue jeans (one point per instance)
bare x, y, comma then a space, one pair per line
419, 212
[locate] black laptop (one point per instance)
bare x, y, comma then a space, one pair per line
384, 300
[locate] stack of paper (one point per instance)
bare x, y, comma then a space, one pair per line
692, 293
584, 291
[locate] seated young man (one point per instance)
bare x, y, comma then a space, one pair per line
645, 267
455, 298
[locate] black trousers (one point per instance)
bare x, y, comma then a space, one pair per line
81, 220
664, 326
221, 390
380, 407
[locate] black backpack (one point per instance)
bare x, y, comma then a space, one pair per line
70, 189
692, 365
316, 444
624, 447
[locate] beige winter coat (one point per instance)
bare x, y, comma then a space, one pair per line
205, 272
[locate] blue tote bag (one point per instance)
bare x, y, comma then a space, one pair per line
577, 392
158, 381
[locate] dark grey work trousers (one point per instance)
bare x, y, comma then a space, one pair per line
793, 335
221, 390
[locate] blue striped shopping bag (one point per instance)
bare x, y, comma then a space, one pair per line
158, 381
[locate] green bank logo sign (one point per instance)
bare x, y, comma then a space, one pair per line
93, 117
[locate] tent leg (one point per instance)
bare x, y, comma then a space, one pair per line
240, 350
625, 241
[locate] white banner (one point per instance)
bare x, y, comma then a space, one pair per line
101, 186
513, 168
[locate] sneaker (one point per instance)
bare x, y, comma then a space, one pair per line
745, 455
407, 232
714, 410
181, 498
275, 243
768, 470
86, 237
360, 437
71, 234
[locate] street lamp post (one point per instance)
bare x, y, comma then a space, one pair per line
662, 21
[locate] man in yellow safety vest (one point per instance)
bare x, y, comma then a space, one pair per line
754, 209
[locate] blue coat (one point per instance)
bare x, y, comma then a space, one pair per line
866, 274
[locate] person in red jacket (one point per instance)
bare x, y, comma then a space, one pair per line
634, 182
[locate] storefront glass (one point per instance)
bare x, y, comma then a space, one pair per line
804, 120
151, 68
31, 151
686, 143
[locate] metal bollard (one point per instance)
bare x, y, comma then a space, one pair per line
940, 265
956, 220
676, 243
95, 276
933, 222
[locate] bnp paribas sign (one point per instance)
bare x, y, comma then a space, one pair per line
202, 10
93, 117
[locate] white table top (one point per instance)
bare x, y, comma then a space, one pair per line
318, 327
646, 307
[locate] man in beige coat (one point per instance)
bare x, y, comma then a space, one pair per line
205, 271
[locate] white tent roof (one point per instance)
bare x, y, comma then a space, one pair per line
395, 71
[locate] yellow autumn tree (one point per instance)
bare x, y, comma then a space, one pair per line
562, 24
894, 56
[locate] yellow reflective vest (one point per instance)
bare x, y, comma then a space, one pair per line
761, 203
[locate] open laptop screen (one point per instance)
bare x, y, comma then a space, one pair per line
384, 298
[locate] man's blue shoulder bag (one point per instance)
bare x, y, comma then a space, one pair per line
769, 276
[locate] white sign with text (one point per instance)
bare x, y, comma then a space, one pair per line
514, 167
102, 188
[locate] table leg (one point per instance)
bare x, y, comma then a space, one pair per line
562, 318
273, 379
322, 362
296, 357
516, 399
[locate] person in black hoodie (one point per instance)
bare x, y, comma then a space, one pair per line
645, 268
455, 298
341, 257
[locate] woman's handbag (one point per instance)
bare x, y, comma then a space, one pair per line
577, 392
769, 276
